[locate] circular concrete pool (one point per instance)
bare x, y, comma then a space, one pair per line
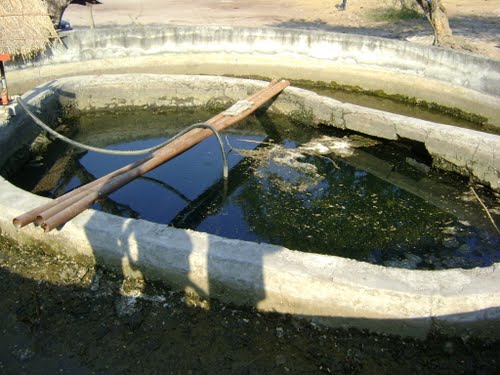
329, 289
314, 189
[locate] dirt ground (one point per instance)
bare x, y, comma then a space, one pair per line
478, 21
61, 318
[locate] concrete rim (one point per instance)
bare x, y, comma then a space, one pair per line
445, 77
329, 289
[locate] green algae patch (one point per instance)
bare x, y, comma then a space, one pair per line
34, 250
407, 100
396, 103
303, 117
391, 14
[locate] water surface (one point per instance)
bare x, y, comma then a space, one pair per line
309, 189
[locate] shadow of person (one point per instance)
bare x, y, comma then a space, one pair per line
139, 254
204, 264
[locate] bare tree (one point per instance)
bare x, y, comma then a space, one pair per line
436, 14
56, 9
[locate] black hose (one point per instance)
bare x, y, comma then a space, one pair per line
73, 143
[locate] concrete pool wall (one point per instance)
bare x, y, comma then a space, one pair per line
329, 289
444, 77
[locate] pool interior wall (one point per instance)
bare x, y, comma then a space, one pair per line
329, 289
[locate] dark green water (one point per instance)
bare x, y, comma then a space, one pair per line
366, 200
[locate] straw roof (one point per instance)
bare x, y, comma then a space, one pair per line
25, 27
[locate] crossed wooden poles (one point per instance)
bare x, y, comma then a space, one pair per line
66, 207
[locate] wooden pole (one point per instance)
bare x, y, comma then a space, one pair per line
4, 93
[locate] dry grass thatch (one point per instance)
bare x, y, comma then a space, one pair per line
25, 27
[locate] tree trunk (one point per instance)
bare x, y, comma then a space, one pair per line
91, 16
56, 8
436, 14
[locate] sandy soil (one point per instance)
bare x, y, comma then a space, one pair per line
478, 21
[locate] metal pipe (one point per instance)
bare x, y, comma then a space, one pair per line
31, 216
44, 212
163, 155
48, 213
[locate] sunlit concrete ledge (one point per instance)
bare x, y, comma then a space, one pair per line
327, 289
436, 75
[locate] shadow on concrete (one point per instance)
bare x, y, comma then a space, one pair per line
68, 326
196, 270
17, 136
474, 27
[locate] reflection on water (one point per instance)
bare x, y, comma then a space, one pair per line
307, 189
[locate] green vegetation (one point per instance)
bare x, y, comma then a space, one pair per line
302, 117
406, 12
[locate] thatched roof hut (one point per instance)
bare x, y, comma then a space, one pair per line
25, 27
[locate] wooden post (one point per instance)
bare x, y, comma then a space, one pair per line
4, 93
